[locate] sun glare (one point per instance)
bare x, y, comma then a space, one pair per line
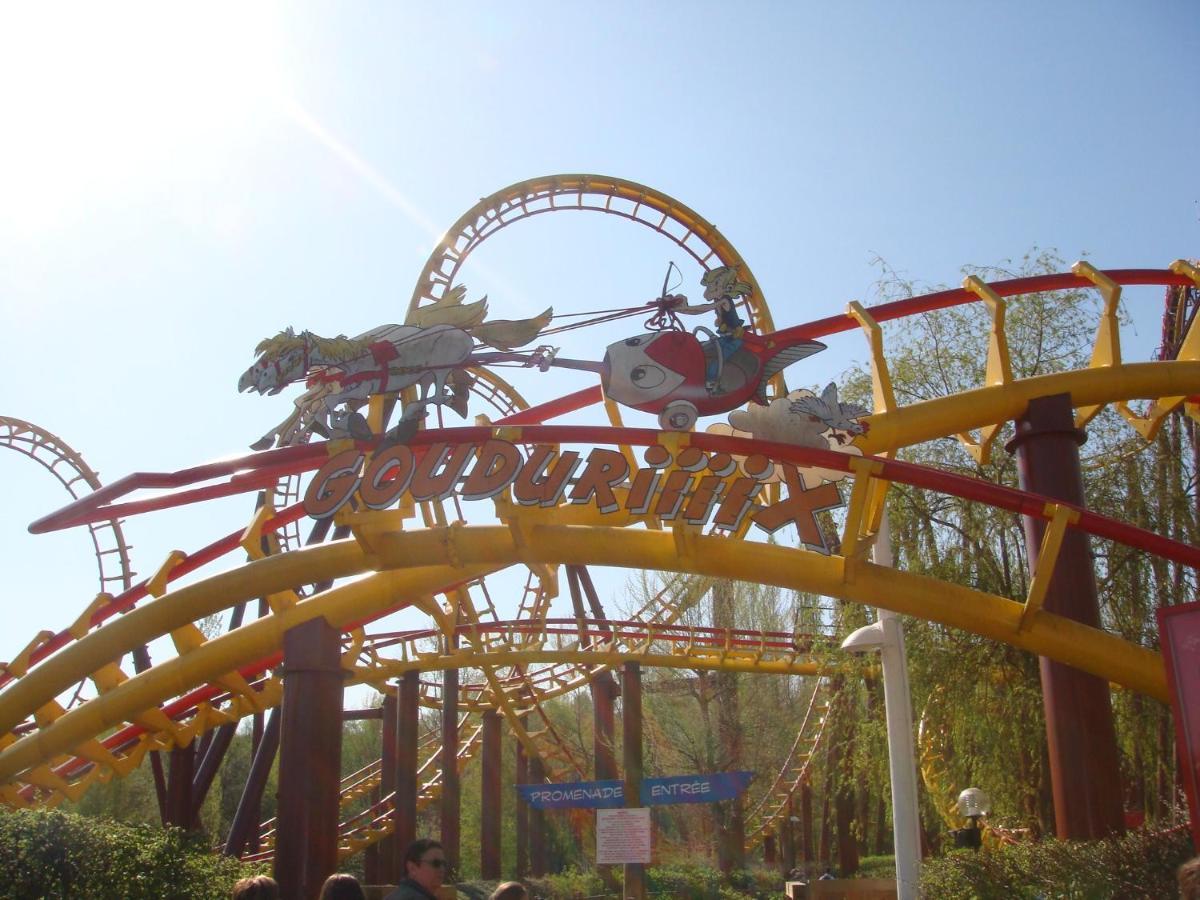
97, 99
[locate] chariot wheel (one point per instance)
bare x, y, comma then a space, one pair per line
679, 415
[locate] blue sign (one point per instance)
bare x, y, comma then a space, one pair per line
670, 789
588, 794
694, 788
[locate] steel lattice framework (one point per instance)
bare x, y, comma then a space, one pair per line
426, 556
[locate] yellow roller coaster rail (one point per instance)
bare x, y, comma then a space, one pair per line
48, 752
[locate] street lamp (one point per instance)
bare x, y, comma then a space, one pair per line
973, 804
887, 636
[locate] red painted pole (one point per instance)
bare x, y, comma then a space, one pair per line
209, 766
179, 786
451, 785
390, 848
1085, 769
244, 832
537, 823
787, 837
631, 723
310, 757
490, 797
407, 725
604, 693
522, 824
806, 825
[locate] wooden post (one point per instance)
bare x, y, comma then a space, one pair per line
310, 758
1085, 770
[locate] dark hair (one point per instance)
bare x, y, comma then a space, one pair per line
260, 887
419, 848
510, 890
1189, 879
342, 887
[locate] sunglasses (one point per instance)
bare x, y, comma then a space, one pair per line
436, 863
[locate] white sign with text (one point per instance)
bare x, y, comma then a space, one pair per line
622, 836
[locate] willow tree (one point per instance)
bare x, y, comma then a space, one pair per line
980, 700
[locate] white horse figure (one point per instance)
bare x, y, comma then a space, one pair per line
341, 373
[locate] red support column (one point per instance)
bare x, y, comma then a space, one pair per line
371, 853
787, 837
631, 723
407, 726
490, 799
310, 758
257, 736
244, 832
537, 823
604, 693
522, 827
769, 850
806, 825
210, 764
390, 848
451, 785
181, 765
1084, 762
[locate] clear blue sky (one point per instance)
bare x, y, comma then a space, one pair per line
177, 184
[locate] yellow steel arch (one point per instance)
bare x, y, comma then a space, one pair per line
589, 193
454, 553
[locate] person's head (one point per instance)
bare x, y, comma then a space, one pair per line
260, 887
342, 887
510, 890
1189, 880
425, 863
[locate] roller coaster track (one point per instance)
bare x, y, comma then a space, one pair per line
454, 554
47, 752
585, 193
766, 816
674, 646
78, 479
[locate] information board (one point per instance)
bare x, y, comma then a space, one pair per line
622, 836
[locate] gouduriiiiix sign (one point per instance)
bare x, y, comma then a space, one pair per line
694, 487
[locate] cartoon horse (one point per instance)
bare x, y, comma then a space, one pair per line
341, 373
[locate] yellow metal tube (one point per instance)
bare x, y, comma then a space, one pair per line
909, 425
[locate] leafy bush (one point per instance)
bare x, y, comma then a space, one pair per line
571, 884
1136, 865
52, 854
675, 881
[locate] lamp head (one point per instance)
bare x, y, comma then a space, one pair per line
865, 639
973, 803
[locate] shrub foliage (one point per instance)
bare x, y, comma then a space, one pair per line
1136, 865
53, 854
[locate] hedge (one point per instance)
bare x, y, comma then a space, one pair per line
53, 854
1139, 864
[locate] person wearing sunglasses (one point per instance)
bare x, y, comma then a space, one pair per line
425, 863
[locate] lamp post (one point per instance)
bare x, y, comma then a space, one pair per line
886, 635
973, 804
